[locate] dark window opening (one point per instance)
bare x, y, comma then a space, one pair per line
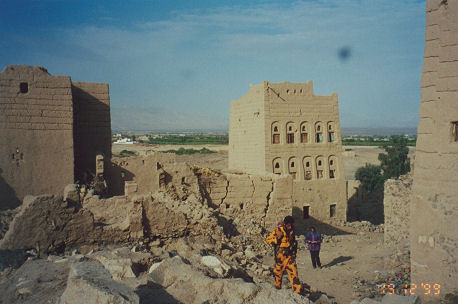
304, 138
275, 129
306, 212
23, 87
290, 139
318, 128
277, 166
292, 164
330, 127
319, 174
290, 128
241, 206
331, 162
308, 175
303, 128
307, 164
331, 136
332, 210
319, 137
331, 173
227, 206
455, 131
143, 161
12, 156
319, 163
276, 139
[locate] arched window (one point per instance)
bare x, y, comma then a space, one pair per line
332, 166
275, 133
319, 167
292, 167
277, 165
290, 130
307, 165
318, 132
331, 132
304, 132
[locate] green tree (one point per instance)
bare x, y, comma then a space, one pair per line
370, 177
395, 162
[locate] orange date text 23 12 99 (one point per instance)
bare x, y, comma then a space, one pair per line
427, 289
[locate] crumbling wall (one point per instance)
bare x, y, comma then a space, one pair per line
396, 203
36, 133
92, 132
146, 172
261, 199
246, 131
434, 215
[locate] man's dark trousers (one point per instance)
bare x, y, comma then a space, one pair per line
315, 255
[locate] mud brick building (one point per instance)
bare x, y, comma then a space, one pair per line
284, 129
50, 131
434, 203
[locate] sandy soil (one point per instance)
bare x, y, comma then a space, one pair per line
354, 156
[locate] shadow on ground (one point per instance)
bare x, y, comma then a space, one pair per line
154, 293
338, 260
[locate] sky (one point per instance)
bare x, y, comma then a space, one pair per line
196, 56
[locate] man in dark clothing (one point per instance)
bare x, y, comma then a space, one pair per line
313, 239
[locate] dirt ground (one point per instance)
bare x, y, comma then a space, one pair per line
354, 156
352, 260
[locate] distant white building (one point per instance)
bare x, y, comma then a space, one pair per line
124, 141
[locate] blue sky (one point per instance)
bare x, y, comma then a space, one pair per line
197, 56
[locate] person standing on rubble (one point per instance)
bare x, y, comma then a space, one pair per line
284, 240
313, 239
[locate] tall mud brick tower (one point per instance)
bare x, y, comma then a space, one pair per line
284, 129
50, 131
434, 209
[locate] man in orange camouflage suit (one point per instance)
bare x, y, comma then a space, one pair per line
284, 240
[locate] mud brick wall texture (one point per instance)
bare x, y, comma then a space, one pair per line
92, 133
434, 208
50, 131
36, 133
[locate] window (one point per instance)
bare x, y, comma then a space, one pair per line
290, 138
331, 136
306, 212
319, 137
276, 139
277, 166
292, 164
307, 164
308, 175
275, 133
304, 137
455, 131
331, 173
332, 210
319, 174
23, 87
319, 163
331, 162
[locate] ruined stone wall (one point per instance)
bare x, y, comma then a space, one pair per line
144, 173
92, 132
434, 208
36, 133
396, 202
246, 131
265, 199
